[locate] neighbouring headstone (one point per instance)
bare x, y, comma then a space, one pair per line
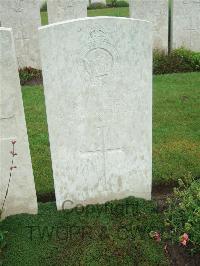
60, 10
155, 11
23, 16
98, 91
17, 188
186, 24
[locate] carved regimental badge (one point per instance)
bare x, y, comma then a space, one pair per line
100, 57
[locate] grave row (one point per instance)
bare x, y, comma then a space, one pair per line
24, 18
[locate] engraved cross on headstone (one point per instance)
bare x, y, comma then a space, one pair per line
102, 150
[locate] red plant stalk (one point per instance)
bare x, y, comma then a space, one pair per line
13, 153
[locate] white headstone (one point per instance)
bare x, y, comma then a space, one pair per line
21, 195
155, 11
23, 16
60, 10
98, 90
186, 24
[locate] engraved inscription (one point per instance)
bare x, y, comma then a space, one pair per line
18, 6
20, 34
98, 62
192, 25
69, 3
72, 3
100, 56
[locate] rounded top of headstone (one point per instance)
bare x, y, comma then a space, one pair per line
94, 19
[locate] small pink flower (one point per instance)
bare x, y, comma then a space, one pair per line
184, 239
156, 236
184, 242
13, 142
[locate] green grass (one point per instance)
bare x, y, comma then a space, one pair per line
44, 18
176, 126
35, 112
117, 12
176, 131
113, 234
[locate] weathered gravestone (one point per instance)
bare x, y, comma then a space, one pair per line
155, 11
186, 24
23, 16
98, 90
17, 189
60, 10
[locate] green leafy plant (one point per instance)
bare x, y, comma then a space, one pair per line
111, 3
2, 237
179, 60
97, 5
182, 218
114, 3
122, 4
44, 7
28, 74
188, 57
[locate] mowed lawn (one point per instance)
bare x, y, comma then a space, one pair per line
116, 12
176, 130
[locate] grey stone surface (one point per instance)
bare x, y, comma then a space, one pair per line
98, 92
21, 197
60, 10
186, 24
23, 16
155, 11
